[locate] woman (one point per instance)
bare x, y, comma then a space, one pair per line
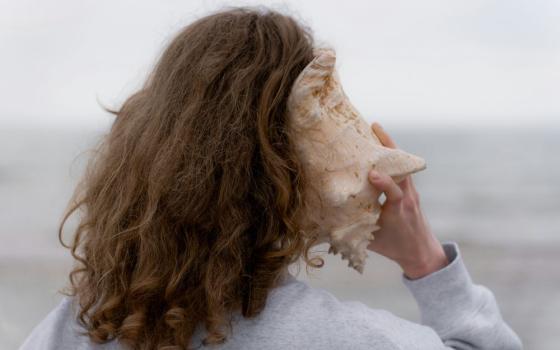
187, 227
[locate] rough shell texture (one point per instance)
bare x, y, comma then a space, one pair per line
337, 149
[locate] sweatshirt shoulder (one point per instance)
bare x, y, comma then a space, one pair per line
52, 328
348, 324
60, 330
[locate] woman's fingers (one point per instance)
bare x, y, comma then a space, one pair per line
385, 183
385, 139
388, 142
413, 191
406, 185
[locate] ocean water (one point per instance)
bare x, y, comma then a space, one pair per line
490, 186
496, 192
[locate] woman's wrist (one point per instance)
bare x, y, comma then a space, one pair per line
423, 266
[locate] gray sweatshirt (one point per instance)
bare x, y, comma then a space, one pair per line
455, 314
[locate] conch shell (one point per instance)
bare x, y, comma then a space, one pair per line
337, 149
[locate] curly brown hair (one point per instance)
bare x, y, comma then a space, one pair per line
187, 208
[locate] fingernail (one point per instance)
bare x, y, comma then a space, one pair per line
374, 175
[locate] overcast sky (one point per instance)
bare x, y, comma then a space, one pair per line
476, 63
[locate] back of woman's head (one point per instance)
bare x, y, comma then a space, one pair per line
187, 208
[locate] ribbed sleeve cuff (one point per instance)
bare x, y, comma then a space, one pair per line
445, 292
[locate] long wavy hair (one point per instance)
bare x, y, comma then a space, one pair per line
187, 208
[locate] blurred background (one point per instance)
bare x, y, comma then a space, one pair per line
471, 86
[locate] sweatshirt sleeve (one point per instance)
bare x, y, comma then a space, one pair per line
463, 314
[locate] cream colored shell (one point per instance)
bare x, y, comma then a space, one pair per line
337, 149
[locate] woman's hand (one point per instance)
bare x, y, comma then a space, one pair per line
405, 236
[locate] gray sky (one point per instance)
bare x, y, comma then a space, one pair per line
475, 63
